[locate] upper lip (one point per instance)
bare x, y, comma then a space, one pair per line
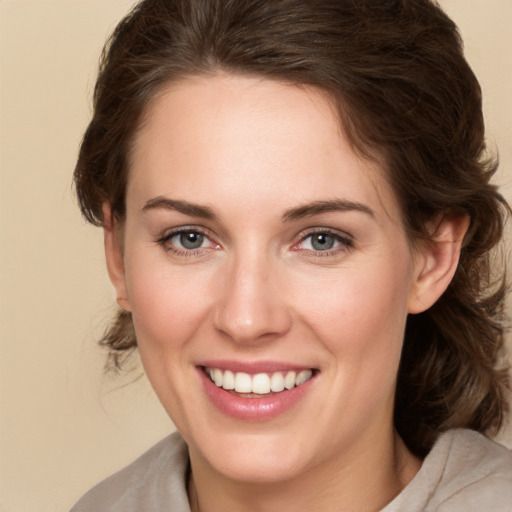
254, 367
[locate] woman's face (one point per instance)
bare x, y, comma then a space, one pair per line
258, 243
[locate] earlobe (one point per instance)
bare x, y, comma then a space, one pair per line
114, 258
436, 261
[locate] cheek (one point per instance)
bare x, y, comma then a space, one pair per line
168, 303
168, 308
360, 311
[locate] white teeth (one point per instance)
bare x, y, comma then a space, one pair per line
261, 383
229, 380
243, 383
289, 380
277, 382
303, 376
217, 377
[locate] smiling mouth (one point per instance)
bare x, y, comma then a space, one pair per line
258, 385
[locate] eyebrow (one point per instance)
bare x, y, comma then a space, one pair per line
297, 213
318, 207
196, 210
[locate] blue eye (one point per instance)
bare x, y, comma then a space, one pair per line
189, 240
322, 241
325, 242
185, 241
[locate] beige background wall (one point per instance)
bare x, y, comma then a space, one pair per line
63, 425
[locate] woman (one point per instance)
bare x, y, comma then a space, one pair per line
298, 223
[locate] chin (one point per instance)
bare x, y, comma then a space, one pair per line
255, 458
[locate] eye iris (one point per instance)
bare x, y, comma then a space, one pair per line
191, 240
322, 242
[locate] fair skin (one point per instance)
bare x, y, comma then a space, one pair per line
254, 235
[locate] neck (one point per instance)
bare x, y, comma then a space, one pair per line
367, 482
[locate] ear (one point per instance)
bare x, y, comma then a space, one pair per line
436, 261
114, 257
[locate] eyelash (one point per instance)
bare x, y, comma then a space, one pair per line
165, 241
345, 242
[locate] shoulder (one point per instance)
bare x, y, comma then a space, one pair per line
464, 472
476, 473
159, 475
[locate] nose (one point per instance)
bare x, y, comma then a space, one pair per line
252, 307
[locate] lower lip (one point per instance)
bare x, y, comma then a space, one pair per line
254, 409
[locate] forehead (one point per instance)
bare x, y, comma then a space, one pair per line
219, 136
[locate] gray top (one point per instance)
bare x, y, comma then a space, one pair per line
464, 472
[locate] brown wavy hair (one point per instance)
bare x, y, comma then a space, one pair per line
405, 94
